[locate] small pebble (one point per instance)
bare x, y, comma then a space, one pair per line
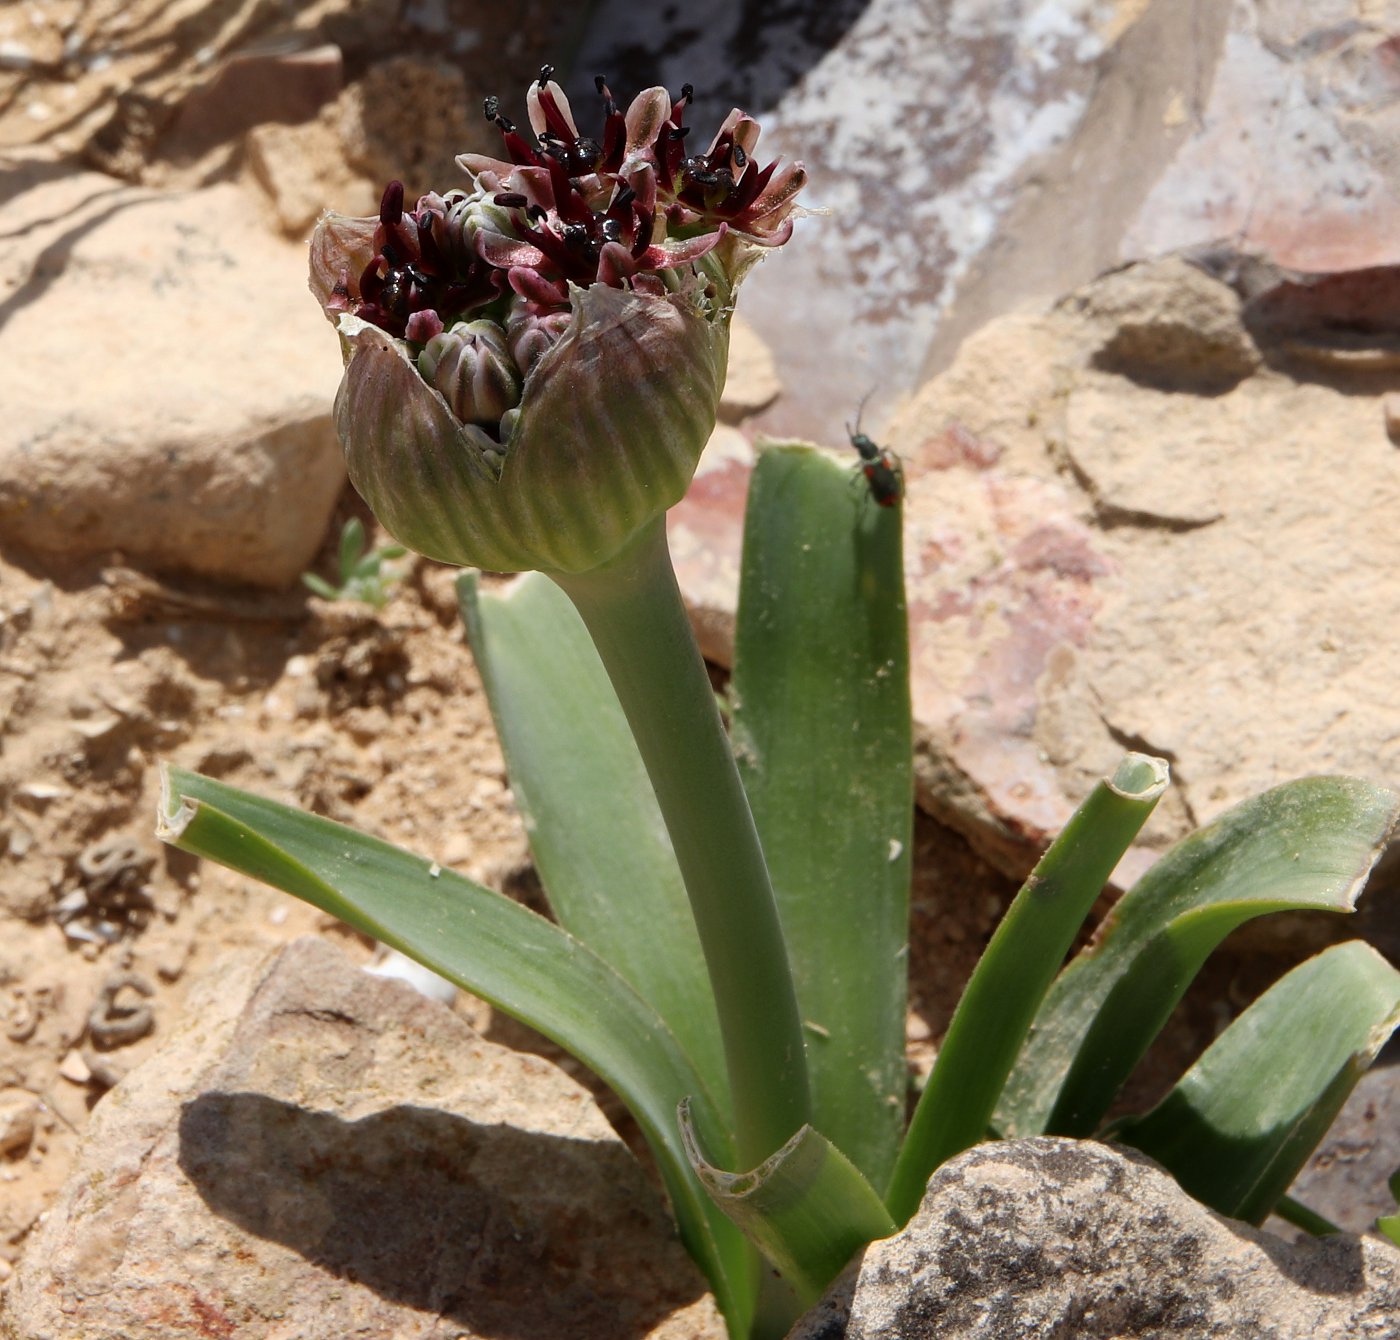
19, 1111
74, 1069
41, 791
15, 56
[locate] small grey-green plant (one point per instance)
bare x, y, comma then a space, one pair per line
368, 577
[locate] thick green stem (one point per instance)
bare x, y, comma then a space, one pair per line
634, 613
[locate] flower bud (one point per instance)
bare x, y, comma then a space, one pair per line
605, 437
472, 366
532, 336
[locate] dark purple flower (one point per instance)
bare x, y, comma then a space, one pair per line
485, 363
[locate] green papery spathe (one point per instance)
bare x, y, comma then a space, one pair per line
611, 424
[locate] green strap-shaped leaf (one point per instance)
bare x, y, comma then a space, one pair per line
807, 1207
1304, 1217
504, 953
596, 832
1306, 844
1014, 973
821, 730
1240, 1124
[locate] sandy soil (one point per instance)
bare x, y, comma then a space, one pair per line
377, 719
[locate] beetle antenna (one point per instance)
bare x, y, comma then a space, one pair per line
860, 409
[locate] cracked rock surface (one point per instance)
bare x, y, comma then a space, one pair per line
1213, 574
1044, 1237
319, 1152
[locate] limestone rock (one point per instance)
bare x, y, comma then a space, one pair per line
1047, 1237
408, 119
1234, 609
168, 381
249, 89
319, 1152
751, 382
977, 156
1292, 150
303, 170
1171, 325
917, 124
1347, 1177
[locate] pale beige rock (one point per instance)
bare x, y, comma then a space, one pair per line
409, 118
317, 1152
1230, 494
1291, 149
302, 168
249, 88
168, 381
751, 382
1167, 324
1148, 477
1043, 1237
73, 1068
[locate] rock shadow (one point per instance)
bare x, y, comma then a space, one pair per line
441, 1214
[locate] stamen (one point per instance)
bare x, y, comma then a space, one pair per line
492, 108
510, 200
614, 144
546, 74
391, 204
609, 105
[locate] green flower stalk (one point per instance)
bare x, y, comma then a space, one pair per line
533, 367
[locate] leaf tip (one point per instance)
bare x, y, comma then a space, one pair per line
1140, 777
174, 811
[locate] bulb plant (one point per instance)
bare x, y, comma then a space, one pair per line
533, 364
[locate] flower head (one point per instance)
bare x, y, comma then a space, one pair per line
534, 362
